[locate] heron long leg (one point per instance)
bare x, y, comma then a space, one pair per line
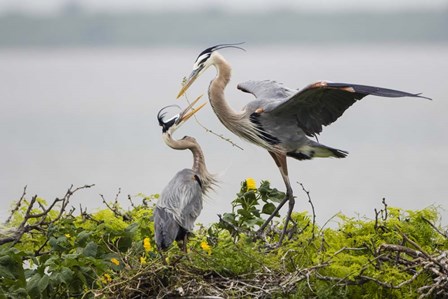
183, 243
280, 160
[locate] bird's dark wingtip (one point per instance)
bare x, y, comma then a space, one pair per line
419, 95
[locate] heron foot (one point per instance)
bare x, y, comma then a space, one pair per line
261, 233
288, 218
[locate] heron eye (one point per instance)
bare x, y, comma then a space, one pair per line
197, 66
201, 60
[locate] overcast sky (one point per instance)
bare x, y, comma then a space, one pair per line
51, 6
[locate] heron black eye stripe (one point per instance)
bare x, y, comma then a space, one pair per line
200, 61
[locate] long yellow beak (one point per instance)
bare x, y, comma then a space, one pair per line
189, 114
191, 79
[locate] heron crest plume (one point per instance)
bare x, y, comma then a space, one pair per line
161, 118
222, 46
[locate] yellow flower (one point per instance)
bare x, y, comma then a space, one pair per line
67, 236
147, 245
251, 184
143, 260
115, 261
106, 278
206, 247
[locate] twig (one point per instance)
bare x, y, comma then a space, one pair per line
383, 214
114, 207
212, 132
312, 206
130, 200
17, 207
435, 228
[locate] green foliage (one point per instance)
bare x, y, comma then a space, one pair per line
71, 257
248, 207
111, 253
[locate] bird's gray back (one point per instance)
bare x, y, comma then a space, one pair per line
276, 130
183, 198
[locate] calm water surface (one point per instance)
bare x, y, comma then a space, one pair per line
89, 117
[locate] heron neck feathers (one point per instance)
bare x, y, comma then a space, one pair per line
199, 167
237, 122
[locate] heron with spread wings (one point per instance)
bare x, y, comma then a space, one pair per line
181, 200
282, 119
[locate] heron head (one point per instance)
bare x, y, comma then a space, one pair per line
173, 123
202, 62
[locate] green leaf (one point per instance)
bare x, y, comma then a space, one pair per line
277, 196
12, 263
81, 275
43, 283
66, 275
253, 222
90, 249
244, 213
5, 272
52, 261
229, 217
82, 237
33, 286
268, 208
131, 229
58, 244
71, 260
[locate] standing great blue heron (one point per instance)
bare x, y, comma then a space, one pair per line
181, 200
281, 119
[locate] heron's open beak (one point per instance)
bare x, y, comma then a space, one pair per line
186, 113
193, 76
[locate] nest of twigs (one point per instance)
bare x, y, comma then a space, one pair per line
183, 279
179, 280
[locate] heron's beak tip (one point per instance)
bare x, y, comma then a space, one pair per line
189, 114
194, 75
183, 90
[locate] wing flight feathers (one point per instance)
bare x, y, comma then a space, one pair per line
319, 104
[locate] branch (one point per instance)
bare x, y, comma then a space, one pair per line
114, 207
435, 228
312, 206
17, 207
41, 223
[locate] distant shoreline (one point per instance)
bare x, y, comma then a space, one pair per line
81, 29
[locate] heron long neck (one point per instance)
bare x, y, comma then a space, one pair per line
237, 122
229, 117
199, 167
207, 179
198, 159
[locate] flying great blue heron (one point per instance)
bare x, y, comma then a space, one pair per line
281, 119
180, 202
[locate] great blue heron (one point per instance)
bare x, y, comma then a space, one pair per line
180, 202
281, 119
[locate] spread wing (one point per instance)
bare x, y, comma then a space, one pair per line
317, 105
267, 90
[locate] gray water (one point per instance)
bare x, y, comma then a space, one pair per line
88, 116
